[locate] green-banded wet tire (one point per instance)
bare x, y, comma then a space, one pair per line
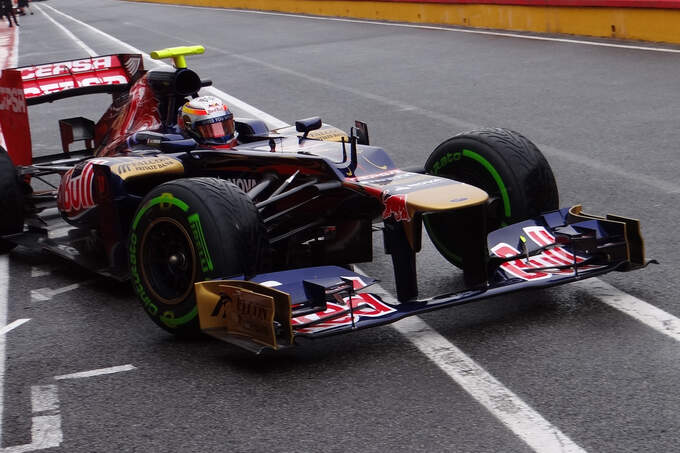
191, 230
11, 201
504, 163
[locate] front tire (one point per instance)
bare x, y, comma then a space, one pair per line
186, 231
504, 163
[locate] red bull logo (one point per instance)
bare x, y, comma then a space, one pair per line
75, 191
396, 206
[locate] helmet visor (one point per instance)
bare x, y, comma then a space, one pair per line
219, 129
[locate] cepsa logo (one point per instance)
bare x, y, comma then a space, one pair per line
51, 78
12, 100
53, 87
67, 67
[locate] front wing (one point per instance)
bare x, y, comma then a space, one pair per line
273, 310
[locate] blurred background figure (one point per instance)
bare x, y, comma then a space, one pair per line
22, 5
8, 11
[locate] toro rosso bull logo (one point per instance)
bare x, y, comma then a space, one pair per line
75, 191
395, 206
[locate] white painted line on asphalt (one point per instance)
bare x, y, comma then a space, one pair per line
4, 300
507, 407
646, 313
585, 161
501, 402
13, 325
43, 294
37, 271
272, 122
45, 429
44, 398
98, 372
11, 62
435, 27
82, 45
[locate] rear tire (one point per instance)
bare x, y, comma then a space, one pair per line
186, 231
508, 166
11, 201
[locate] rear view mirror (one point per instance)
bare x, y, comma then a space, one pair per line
308, 124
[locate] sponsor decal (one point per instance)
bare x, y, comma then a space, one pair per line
136, 280
12, 100
364, 305
168, 318
55, 77
53, 87
133, 166
15, 135
245, 184
199, 240
520, 268
382, 178
67, 67
395, 205
429, 182
330, 134
555, 256
76, 187
246, 310
246, 313
446, 160
381, 167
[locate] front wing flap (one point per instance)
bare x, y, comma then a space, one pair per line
558, 247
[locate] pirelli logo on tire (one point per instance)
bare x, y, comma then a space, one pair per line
199, 241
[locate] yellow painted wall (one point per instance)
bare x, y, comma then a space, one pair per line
647, 24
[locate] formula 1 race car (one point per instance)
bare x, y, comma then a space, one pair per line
255, 244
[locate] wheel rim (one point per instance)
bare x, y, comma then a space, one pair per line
168, 260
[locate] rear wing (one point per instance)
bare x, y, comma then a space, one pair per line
31, 85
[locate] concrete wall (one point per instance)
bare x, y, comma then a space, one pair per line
646, 20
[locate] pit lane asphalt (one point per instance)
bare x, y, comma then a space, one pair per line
607, 120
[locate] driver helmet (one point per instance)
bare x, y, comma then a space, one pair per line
209, 121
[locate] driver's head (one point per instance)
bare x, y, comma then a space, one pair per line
209, 121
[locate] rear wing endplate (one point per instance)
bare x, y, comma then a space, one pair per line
31, 85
